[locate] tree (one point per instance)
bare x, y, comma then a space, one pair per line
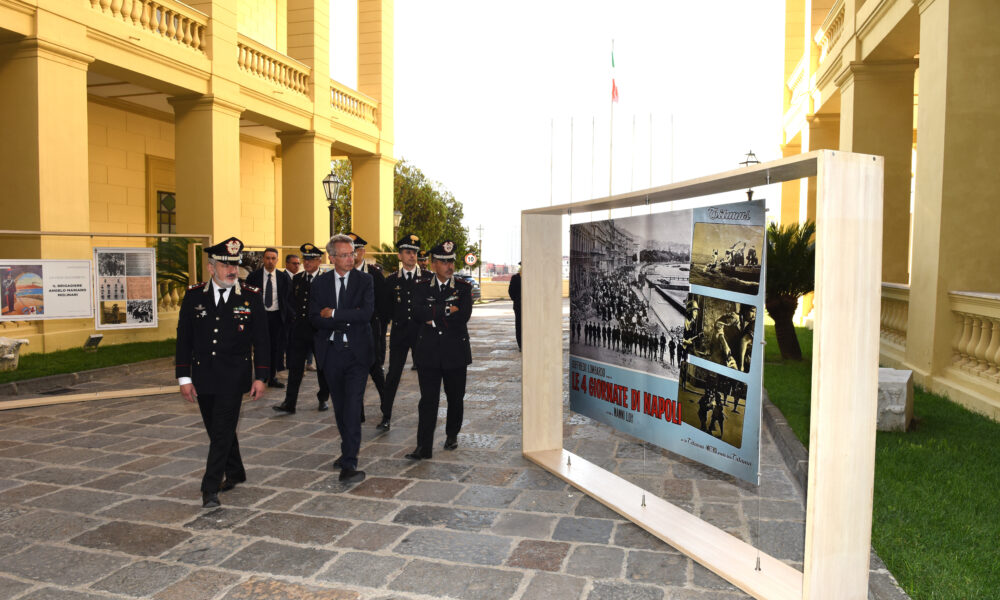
430, 211
791, 271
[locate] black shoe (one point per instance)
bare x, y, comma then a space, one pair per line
339, 463
283, 408
362, 416
210, 500
413, 368
352, 476
323, 406
383, 425
274, 383
419, 454
451, 442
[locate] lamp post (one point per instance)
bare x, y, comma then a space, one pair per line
396, 218
331, 187
751, 159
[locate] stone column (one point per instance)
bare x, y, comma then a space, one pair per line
44, 158
305, 161
823, 134
955, 240
791, 191
372, 199
308, 27
876, 116
207, 151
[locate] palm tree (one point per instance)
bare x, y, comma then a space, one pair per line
791, 270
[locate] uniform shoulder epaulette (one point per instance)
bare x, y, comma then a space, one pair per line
251, 288
462, 282
375, 267
195, 286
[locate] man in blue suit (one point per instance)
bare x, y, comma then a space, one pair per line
340, 308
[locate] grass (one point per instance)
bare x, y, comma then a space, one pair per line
76, 359
936, 514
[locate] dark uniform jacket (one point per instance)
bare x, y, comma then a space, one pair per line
383, 306
301, 328
352, 319
214, 343
399, 299
445, 344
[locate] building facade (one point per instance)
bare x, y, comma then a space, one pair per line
211, 118
915, 81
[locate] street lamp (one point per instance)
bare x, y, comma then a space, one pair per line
751, 159
331, 187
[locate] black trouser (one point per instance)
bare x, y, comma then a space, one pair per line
221, 413
378, 377
346, 376
299, 346
402, 340
276, 333
517, 324
430, 398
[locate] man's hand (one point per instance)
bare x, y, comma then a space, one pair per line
257, 389
326, 313
189, 393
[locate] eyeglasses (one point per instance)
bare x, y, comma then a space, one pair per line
343, 255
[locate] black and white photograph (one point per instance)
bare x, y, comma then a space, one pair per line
713, 403
140, 311
628, 286
252, 260
720, 331
111, 264
727, 257
138, 264
111, 288
110, 312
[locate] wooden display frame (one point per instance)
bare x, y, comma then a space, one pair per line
844, 380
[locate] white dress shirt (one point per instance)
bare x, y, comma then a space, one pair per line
274, 290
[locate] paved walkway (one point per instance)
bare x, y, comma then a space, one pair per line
101, 500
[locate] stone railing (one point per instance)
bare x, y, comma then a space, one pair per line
798, 81
895, 312
831, 30
168, 18
976, 342
345, 100
257, 59
169, 296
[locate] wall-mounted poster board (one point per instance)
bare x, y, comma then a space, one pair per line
663, 316
125, 288
45, 289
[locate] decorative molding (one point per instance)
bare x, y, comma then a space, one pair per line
205, 102
138, 109
134, 48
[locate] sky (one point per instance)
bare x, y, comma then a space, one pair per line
508, 105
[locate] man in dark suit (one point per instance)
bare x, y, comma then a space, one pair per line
277, 303
403, 335
443, 307
514, 291
340, 307
301, 333
220, 321
378, 281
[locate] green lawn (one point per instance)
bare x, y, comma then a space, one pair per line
76, 359
936, 520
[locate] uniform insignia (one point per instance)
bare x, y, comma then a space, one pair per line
448, 246
200, 307
251, 288
246, 304
240, 327
233, 247
195, 286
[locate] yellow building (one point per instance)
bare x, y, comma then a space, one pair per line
918, 82
215, 117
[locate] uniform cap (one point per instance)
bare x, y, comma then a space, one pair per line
443, 251
359, 242
310, 251
227, 251
408, 242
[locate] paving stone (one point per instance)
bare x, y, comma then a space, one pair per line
488, 496
631, 535
441, 471
151, 486
156, 511
61, 475
614, 590
660, 568
677, 490
773, 510
25, 492
359, 568
295, 479
271, 589
295, 528
588, 507
782, 539
178, 468
331, 484
141, 579
475, 548
284, 501
380, 487
550, 586
66, 456
246, 495
198, 585
358, 509
10, 588
76, 500
548, 502
524, 525
583, 529
371, 536
493, 476
115, 481
10, 544
703, 578
596, 561
313, 461
431, 491
62, 566
48, 526
452, 518
131, 538
455, 581
205, 550
220, 518
278, 559
538, 555
51, 593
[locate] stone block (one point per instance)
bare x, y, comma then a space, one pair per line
895, 399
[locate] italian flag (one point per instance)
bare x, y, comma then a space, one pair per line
614, 88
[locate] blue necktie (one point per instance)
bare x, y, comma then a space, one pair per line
343, 291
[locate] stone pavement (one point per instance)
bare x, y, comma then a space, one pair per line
100, 500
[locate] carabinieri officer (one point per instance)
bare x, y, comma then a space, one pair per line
442, 306
219, 323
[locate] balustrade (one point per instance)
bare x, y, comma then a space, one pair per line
356, 104
895, 313
976, 343
172, 20
273, 66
